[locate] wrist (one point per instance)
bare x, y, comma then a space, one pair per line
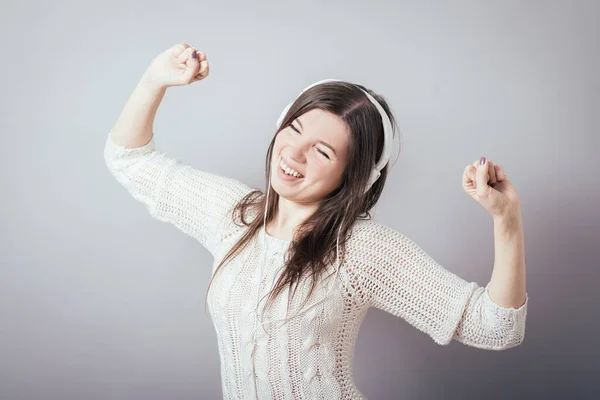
149, 83
510, 221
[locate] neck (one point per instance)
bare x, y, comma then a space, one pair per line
288, 217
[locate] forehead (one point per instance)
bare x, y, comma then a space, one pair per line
326, 126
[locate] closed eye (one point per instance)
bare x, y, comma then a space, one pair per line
320, 151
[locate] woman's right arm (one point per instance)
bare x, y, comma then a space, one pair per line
192, 200
175, 66
133, 129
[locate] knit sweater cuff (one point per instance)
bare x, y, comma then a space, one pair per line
507, 314
119, 151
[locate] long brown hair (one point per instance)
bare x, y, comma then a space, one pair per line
314, 244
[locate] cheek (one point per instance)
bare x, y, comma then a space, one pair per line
277, 145
275, 152
328, 175
338, 176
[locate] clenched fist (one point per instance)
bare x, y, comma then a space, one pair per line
488, 184
177, 66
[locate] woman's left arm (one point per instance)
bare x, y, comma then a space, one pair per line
507, 286
389, 271
505, 295
489, 186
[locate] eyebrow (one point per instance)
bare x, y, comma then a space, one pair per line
319, 140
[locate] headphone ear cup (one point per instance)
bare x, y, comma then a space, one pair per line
282, 115
372, 178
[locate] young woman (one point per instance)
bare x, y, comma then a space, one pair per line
305, 254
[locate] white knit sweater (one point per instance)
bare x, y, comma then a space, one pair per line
311, 355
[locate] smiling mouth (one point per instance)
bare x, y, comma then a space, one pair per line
288, 177
298, 175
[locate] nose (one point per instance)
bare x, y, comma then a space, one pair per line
296, 155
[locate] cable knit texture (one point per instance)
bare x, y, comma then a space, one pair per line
311, 355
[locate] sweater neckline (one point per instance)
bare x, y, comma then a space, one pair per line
273, 242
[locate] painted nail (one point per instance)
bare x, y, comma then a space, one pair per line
194, 54
482, 161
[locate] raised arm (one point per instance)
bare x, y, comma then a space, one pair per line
393, 274
177, 66
194, 201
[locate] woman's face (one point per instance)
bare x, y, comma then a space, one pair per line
316, 146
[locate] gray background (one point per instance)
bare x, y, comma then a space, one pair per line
99, 301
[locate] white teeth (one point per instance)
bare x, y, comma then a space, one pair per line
290, 171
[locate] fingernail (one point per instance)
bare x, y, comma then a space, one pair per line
194, 54
482, 161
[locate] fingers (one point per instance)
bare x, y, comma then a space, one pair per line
482, 178
185, 55
203, 67
469, 175
191, 65
492, 171
203, 70
496, 172
474, 176
196, 68
178, 49
201, 56
191, 61
500, 174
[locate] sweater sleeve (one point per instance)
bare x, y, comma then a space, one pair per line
194, 201
393, 274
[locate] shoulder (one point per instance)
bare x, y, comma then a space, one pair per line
372, 243
367, 245
368, 241
369, 232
